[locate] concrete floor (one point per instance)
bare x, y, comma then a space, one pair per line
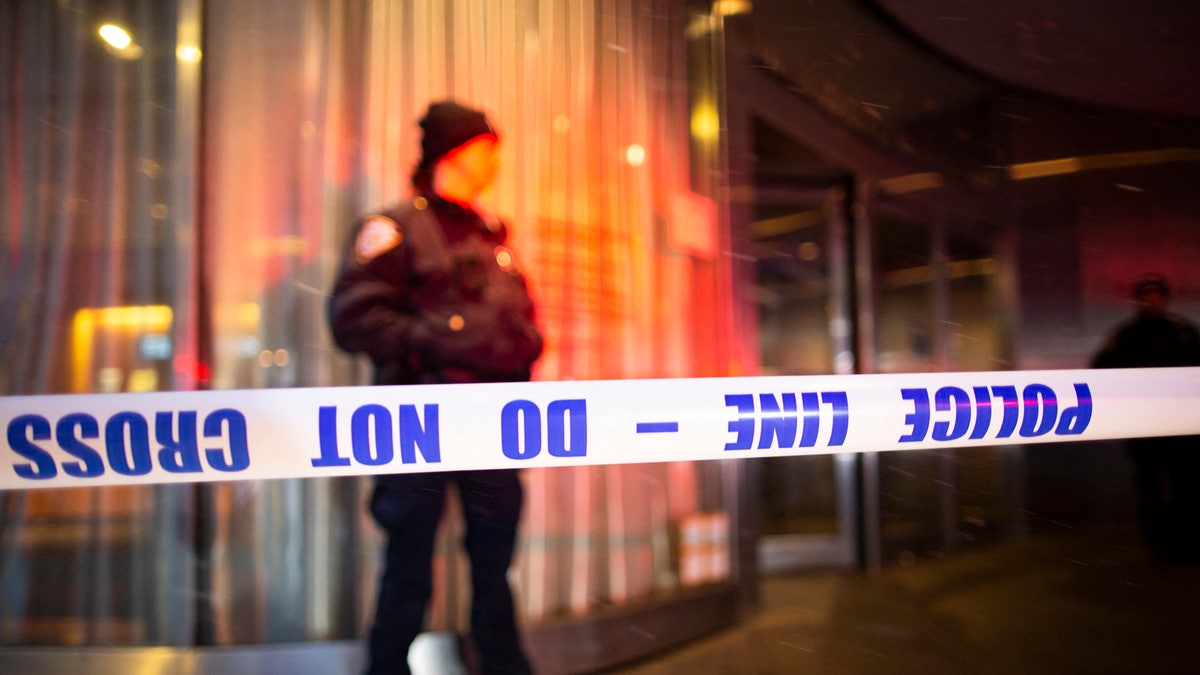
1062, 602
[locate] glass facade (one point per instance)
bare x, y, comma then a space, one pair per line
798, 234
180, 185
866, 263
941, 308
178, 200
99, 166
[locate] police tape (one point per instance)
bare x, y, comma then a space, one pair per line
180, 437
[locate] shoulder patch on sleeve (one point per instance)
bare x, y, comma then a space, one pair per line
378, 235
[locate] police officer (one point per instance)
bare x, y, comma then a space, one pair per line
430, 292
1166, 470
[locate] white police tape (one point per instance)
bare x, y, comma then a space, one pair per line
176, 437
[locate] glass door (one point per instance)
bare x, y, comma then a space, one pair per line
940, 304
799, 230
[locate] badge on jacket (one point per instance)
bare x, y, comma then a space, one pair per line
378, 235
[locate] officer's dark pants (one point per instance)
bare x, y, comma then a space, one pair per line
1167, 476
409, 507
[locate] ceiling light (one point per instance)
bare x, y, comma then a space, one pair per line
115, 36
188, 53
635, 155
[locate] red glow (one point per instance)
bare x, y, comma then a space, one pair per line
191, 369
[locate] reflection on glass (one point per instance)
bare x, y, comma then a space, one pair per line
911, 490
618, 246
121, 348
96, 167
939, 308
799, 496
798, 213
905, 301
982, 476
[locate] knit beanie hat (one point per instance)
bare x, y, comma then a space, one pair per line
446, 126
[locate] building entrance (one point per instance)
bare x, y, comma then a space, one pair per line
804, 327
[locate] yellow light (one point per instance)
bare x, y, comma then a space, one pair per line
635, 155
792, 222
142, 380
731, 7
1115, 160
1050, 167
958, 269
248, 315
148, 319
706, 124
188, 53
701, 25
911, 183
562, 124
115, 36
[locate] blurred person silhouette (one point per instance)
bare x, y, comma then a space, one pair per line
430, 292
1166, 470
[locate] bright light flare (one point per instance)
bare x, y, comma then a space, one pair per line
115, 36
120, 42
188, 53
635, 155
732, 7
705, 123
